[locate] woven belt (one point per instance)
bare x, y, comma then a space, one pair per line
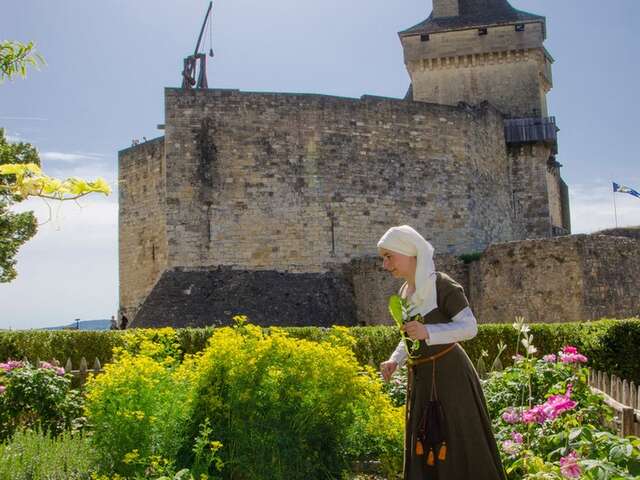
421, 360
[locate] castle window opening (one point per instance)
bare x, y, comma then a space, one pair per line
520, 27
424, 37
482, 31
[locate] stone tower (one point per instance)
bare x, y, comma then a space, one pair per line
474, 51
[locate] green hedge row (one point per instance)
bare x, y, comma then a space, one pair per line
612, 346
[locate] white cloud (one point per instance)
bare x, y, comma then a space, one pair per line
37, 119
70, 157
68, 270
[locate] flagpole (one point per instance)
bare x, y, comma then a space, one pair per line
615, 210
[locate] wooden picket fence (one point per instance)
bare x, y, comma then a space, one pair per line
80, 374
623, 397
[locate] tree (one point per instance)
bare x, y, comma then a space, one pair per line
20, 173
15, 57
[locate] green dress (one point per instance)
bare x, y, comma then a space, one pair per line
472, 453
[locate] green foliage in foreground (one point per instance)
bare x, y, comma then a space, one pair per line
34, 456
612, 346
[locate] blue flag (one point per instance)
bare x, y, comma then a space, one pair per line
623, 189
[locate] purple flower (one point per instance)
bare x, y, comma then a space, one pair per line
551, 358
517, 437
511, 415
569, 466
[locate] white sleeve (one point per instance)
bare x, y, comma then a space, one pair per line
399, 355
462, 327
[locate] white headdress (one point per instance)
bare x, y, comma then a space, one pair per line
406, 241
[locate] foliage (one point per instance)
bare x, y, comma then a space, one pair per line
15, 228
470, 257
612, 345
15, 57
137, 408
27, 180
35, 456
288, 408
40, 398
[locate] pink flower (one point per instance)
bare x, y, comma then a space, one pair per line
11, 365
551, 358
46, 365
551, 409
517, 437
511, 415
59, 371
510, 448
534, 415
569, 466
2, 389
572, 358
569, 349
517, 358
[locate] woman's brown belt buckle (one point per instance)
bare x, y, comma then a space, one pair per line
421, 360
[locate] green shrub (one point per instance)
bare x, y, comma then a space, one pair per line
137, 409
612, 345
35, 456
39, 398
286, 408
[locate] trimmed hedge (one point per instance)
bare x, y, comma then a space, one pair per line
612, 346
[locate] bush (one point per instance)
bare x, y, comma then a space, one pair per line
34, 456
612, 345
39, 398
137, 408
548, 423
286, 408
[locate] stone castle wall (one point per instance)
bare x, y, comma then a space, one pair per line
509, 69
570, 278
142, 226
301, 182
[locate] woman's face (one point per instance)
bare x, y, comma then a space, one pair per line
400, 266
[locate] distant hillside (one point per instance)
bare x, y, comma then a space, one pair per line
84, 325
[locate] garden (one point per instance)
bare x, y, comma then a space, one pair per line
245, 402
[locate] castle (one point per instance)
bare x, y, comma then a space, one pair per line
270, 204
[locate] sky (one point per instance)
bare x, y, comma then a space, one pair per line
107, 63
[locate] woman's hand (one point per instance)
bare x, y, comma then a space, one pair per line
415, 330
387, 368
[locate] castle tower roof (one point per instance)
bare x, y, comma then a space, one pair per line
462, 14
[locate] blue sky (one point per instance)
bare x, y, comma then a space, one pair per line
108, 62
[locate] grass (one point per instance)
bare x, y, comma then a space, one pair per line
33, 456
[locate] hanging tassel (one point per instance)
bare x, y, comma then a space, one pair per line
419, 449
431, 461
442, 454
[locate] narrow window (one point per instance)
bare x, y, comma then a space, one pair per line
424, 37
482, 31
520, 27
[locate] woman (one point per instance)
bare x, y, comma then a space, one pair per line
448, 431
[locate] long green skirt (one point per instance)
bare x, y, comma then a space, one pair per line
472, 453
